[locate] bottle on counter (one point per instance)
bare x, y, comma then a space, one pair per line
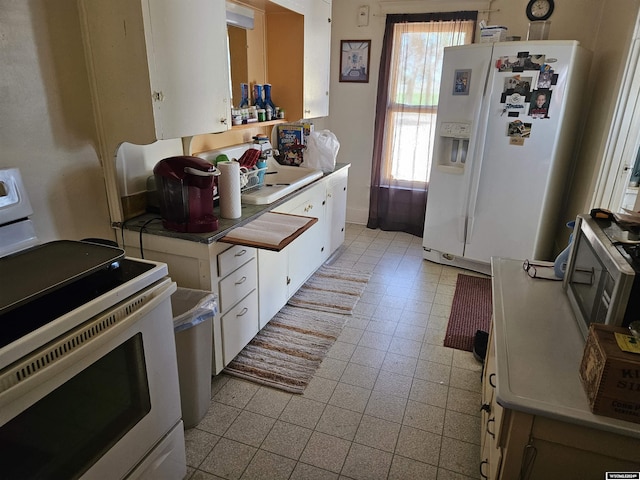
244, 93
257, 95
267, 97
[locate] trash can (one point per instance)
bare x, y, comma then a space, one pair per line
193, 312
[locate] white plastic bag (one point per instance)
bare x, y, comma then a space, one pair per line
322, 151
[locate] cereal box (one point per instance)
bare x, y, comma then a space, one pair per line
291, 144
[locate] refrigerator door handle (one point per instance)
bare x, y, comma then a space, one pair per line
482, 117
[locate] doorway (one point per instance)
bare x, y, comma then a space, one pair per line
617, 187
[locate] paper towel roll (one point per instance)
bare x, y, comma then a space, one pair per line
229, 188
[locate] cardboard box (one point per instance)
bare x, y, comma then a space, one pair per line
291, 144
493, 33
610, 376
308, 128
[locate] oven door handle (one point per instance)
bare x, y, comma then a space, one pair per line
53, 364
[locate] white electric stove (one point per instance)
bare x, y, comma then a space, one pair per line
88, 371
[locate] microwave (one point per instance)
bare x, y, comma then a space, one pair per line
602, 277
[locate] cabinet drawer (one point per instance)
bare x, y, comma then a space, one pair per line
233, 258
237, 285
308, 203
239, 326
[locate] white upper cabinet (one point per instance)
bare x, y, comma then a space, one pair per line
317, 51
158, 68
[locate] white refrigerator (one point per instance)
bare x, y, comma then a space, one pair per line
508, 117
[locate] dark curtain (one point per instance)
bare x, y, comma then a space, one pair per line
391, 207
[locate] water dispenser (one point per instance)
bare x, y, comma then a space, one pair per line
453, 146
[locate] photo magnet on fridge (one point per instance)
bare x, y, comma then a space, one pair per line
518, 128
461, 82
518, 84
523, 61
545, 78
539, 107
516, 103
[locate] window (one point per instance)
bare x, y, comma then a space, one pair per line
406, 108
414, 86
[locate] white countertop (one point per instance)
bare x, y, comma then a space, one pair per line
539, 348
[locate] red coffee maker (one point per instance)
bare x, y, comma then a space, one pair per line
186, 186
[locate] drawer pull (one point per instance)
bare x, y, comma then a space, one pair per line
241, 281
492, 380
241, 253
242, 312
484, 462
493, 435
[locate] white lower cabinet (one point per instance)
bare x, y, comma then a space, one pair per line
518, 442
273, 280
305, 254
238, 300
238, 326
252, 285
281, 274
336, 209
237, 285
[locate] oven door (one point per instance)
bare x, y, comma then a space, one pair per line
97, 401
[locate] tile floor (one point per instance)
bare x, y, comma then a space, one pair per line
388, 402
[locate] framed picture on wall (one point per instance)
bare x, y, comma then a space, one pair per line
354, 60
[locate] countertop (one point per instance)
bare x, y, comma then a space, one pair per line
539, 348
151, 223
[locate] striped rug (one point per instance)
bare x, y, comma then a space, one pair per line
331, 289
471, 311
286, 353
289, 349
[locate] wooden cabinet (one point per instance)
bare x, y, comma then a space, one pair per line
536, 423
298, 49
147, 68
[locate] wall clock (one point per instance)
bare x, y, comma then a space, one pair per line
538, 10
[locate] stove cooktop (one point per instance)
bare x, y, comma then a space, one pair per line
56, 301
48, 307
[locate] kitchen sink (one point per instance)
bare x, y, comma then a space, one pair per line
280, 180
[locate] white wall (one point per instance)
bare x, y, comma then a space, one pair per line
46, 121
